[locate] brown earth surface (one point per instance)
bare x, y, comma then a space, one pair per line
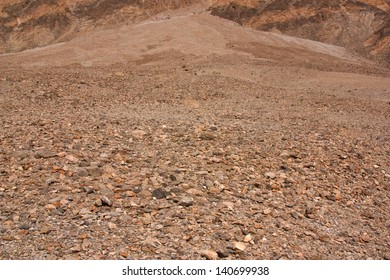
188, 136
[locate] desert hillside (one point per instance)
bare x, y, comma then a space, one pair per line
361, 26
171, 133
26, 24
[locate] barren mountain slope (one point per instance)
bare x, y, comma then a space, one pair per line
188, 136
27, 24
195, 34
363, 26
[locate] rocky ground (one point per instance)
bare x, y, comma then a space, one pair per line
182, 156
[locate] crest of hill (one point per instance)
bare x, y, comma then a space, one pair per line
26, 24
361, 26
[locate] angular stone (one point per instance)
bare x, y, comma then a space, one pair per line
94, 171
270, 175
207, 136
82, 172
106, 201
209, 254
223, 253
159, 193
248, 238
186, 201
98, 202
71, 158
239, 246
267, 211
45, 154
45, 230
84, 211
139, 134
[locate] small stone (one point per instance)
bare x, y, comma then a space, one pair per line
151, 241
23, 232
83, 236
88, 190
84, 164
105, 200
103, 155
209, 254
72, 158
22, 154
214, 190
258, 226
270, 175
24, 227
98, 202
51, 181
9, 224
209, 184
84, 211
105, 191
76, 249
324, 238
82, 172
186, 237
44, 154
229, 205
295, 215
337, 194
239, 246
45, 230
111, 225
310, 208
86, 244
219, 175
186, 201
8, 238
108, 170
310, 233
138, 133
124, 254
207, 136
195, 192
159, 193
285, 154
223, 253
94, 171
119, 74
248, 238
331, 197
267, 211
144, 194
130, 194
365, 238
50, 207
